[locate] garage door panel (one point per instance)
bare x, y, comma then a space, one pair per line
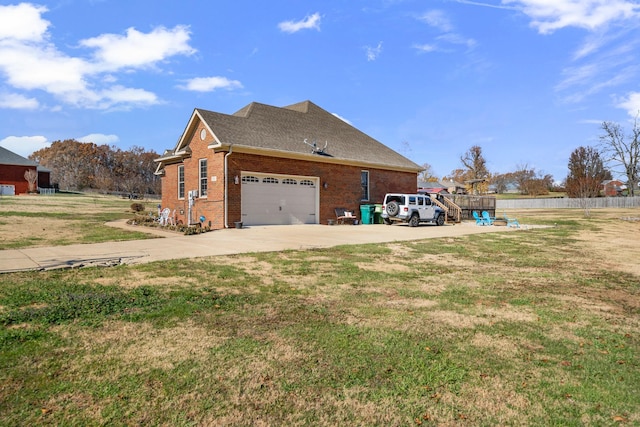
270, 203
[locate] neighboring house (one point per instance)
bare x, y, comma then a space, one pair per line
272, 165
432, 187
443, 187
613, 187
12, 170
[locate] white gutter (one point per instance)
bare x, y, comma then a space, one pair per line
226, 188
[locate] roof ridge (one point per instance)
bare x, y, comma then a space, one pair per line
302, 107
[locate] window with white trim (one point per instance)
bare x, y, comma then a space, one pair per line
364, 182
307, 183
249, 178
181, 182
270, 180
289, 181
203, 177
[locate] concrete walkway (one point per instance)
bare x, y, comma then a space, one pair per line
171, 245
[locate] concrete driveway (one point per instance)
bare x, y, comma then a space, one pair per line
271, 238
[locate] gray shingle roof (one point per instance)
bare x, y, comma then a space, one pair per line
285, 129
10, 158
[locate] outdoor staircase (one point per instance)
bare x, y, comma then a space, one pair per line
452, 211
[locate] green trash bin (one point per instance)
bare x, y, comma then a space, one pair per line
377, 214
365, 214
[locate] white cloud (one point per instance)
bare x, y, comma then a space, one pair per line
477, 3
310, 22
18, 102
631, 103
22, 22
342, 118
24, 145
443, 44
136, 49
551, 15
615, 65
592, 44
29, 61
116, 95
373, 52
209, 84
425, 47
579, 75
99, 139
454, 38
437, 19
42, 67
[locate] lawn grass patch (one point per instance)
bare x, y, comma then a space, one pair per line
522, 328
64, 219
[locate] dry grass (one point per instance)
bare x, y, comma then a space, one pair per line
539, 327
32, 221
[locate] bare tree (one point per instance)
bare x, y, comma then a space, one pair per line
502, 181
427, 175
586, 173
31, 175
623, 151
476, 173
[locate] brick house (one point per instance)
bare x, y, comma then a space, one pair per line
613, 187
271, 165
12, 170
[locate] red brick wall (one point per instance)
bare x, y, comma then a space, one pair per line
211, 206
610, 188
14, 175
343, 183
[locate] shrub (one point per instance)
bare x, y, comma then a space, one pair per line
137, 207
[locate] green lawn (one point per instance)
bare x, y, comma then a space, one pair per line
64, 219
523, 328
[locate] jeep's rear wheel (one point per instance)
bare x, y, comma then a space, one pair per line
393, 208
440, 220
414, 221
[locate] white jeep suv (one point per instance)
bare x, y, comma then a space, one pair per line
411, 208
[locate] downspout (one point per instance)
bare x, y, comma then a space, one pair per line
226, 187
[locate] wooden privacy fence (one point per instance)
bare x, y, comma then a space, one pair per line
468, 204
566, 203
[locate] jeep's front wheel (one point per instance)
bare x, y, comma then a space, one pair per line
440, 220
393, 208
414, 221
387, 221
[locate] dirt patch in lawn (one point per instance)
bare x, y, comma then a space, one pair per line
616, 244
18, 228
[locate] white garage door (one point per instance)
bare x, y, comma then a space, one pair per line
278, 199
7, 190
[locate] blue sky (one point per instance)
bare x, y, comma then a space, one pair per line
527, 80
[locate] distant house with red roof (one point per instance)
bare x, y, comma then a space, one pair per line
612, 188
441, 187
